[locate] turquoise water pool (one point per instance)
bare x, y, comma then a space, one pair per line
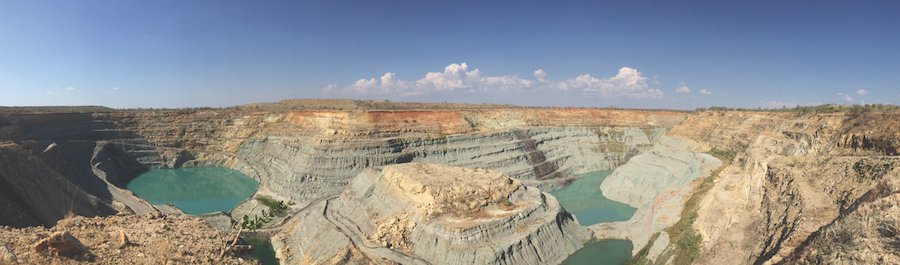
194, 190
605, 252
584, 199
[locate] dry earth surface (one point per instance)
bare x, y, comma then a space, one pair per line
130, 239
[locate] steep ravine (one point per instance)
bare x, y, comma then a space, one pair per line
794, 175
796, 184
306, 156
657, 183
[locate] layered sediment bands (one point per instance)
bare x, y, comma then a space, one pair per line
312, 239
657, 183
309, 154
33, 194
435, 214
793, 175
92, 154
798, 202
305, 170
797, 180
866, 234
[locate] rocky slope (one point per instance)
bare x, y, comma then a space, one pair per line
797, 181
308, 155
305, 155
657, 183
117, 240
32, 194
795, 176
434, 214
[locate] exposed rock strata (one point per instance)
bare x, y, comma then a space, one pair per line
760, 210
309, 155
866, 235
434, 214
33, 194
793, 175
306, 170
657, 183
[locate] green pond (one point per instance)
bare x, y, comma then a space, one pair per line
605, 252
263, 251
584, 199
194, 190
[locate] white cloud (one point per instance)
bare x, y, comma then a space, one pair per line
454, 76
60, 91
847, 98
331, 88
705, 92
364, 85
110, 90
628, 82
387, 79
540, 75
683, 89
862, 92
505, 82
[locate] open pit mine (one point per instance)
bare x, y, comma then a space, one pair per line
377, 182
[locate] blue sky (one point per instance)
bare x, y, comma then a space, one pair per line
645, 54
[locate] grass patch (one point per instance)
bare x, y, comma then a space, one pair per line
817, 109
685, 239
276, 207
641, 257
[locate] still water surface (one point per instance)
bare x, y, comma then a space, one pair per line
584, 199
194, 190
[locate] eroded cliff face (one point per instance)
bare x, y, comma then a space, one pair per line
796, 183
794, 178
309, 156
76, 157
435, 214
305, 155
657, 183
32, 194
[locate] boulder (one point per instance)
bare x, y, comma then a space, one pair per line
120, 238
7, 256
61, 243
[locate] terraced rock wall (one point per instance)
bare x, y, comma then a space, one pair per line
310, 154
434, 214
794, 175
541, 156
304, 155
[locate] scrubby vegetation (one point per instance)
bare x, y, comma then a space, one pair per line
817, 109
641, 257
685, 239
276, 208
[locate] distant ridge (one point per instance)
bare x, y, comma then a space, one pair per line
55, 109
351, 104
